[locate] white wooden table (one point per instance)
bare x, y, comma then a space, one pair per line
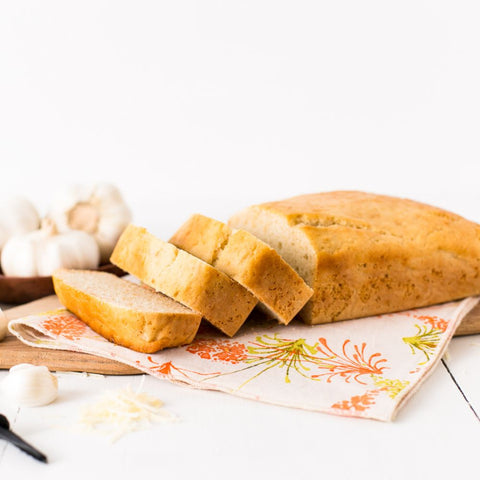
220, 436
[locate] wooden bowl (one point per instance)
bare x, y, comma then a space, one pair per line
17, 290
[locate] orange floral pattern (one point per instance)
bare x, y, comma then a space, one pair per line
434, 321
219, 351
167, 369
358, 403
268, 352
349, 365
65, 325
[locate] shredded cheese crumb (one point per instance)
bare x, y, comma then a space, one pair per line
123, 411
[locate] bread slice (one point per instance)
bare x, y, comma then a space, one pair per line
185, 278
125, 313
367, 254
249, 261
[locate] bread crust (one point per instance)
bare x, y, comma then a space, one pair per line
185, 278
366, 254
143, 331
249, 261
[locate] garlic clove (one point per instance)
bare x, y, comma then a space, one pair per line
15, 264
30, 385
17, 216
43, 251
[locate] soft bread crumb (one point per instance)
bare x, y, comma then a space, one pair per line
184, 277
249, 261
125, 313
117, 291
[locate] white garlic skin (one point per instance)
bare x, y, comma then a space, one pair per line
30, 385
43, 251
17, 216
97, 209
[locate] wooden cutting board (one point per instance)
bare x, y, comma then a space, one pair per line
470, 324
13, 352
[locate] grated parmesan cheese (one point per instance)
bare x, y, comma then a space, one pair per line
124, 411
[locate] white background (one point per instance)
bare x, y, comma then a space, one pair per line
210, 106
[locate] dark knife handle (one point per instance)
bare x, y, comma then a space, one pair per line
14, 439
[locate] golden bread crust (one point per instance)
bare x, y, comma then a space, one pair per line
143, 331
185, 278
249, 261
366, 254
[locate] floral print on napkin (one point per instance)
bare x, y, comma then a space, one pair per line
359, 368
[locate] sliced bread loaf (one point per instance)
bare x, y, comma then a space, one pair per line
185, 278
125, 313
366, 254
249, 261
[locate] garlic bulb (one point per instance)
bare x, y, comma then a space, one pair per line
17, 215
30, 385
98, 209
43, 251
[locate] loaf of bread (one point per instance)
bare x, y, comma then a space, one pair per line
185, 278
249, 261
367, 254
125, 313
